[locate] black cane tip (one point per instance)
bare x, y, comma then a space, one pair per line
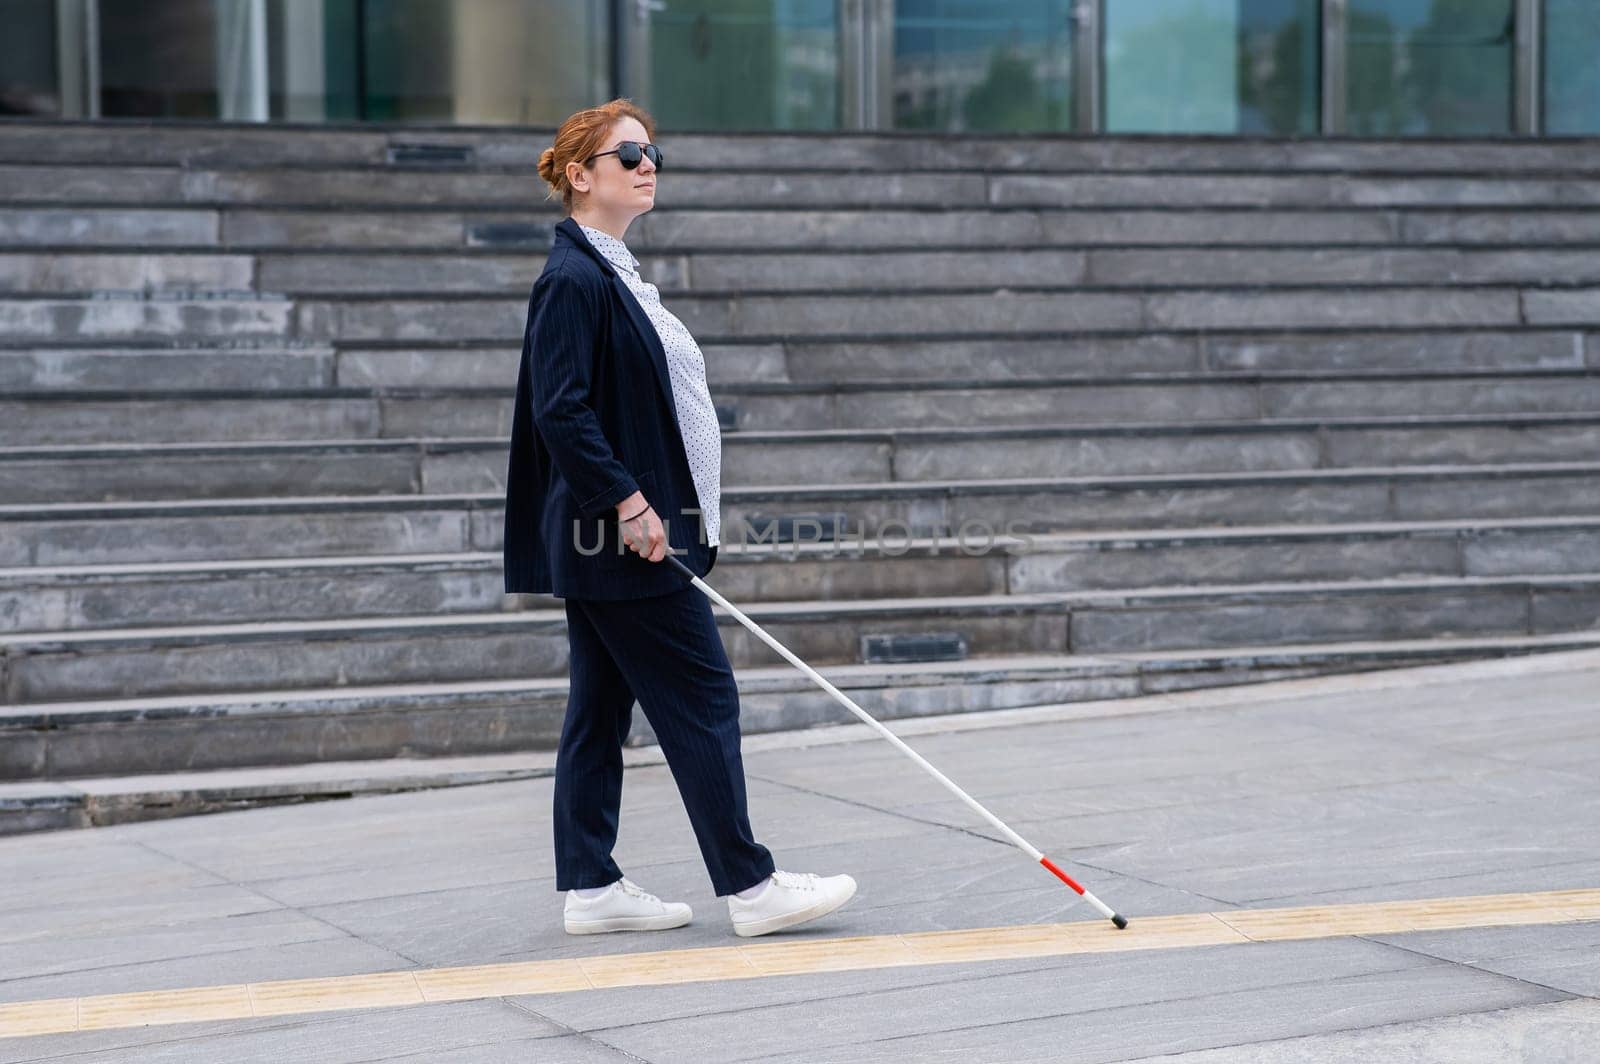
1120, 920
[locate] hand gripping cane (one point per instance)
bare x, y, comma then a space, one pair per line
1017, 840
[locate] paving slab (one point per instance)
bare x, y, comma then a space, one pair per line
458, 1031
1564, 957
1086, 1012
1565, 1030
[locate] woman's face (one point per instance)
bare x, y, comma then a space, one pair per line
609, 188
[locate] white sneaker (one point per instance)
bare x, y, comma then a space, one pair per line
623, 907
790, 898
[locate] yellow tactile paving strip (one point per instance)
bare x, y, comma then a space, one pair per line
758, 960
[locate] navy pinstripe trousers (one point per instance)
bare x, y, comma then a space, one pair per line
666, 650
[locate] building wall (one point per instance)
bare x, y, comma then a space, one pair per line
1386, 68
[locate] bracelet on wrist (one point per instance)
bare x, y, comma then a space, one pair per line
639, 514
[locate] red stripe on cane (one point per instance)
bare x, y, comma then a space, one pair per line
1068, 880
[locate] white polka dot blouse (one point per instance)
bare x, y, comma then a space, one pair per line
697, 418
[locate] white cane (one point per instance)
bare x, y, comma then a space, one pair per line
839, 696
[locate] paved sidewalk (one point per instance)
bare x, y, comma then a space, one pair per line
1451, 782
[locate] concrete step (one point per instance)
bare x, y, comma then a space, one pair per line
1046, 504
1187, 359
57, 804
750, 272
70, 741
246, 228
887, 227
665, 229
121, 370
1201, 400
786, 318
191, 659
102, 472
1435, 352
772, 412
122, 271
125, 227
78, 598
965, 312
771, 184
1192, 359
217, 529
833, 270
828, 270
91, 418
125, 142
216, 317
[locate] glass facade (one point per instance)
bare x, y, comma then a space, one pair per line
971, 65
1430, 67
1572, 66
1385, 68
744, 64
480, 62
468, 61
162, 60
30, 78
1212, 66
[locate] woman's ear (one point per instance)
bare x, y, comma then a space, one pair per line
577, 177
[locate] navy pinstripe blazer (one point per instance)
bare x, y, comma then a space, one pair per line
594, 422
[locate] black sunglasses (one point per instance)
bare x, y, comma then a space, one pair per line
629, 152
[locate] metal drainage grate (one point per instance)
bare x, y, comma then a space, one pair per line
431, 155
913, 646
511, 235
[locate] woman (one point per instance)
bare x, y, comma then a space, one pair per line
615, 444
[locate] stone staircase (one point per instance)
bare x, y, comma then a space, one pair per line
1251, 410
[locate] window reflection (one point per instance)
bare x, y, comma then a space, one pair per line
1572, 66
29, 82
1212, 66
158, 60
1410, 67
970, 65
468, 61
1436, 67
745, 64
